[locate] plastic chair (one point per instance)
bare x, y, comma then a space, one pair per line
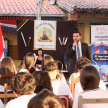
65, 100
6, 75
62, 67
73, 82
82, 101
6, 94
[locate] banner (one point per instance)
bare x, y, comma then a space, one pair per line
99, 49
45, 35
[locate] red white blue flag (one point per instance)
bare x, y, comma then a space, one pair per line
2, 46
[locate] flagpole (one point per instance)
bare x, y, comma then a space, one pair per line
39, 8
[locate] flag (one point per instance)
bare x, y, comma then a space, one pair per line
2, 46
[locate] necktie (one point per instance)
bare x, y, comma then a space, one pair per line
78, 51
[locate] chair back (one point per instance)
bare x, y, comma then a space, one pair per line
5, 95
82, 101
6, 75
65, 100
73, 82
59, 62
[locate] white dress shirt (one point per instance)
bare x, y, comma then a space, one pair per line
79, 43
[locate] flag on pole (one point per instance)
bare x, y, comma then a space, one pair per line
2, 46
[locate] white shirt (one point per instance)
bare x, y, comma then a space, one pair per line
23, 70
20, 102
76, 75
2, 89
106, 106
79, 43
61, 88
96, 93
1, 104
78, 88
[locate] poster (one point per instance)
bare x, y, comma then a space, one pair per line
45, 35
99, 49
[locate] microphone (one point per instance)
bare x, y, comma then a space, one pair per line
75, 45
76, 41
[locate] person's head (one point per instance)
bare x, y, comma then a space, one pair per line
105, 51
45, 99
76, 36
44, 32
29, 60
8, 62
97, 50
42, 81
82, 61
81, 57
23, 83
7, 80
40, 52
89, 78
45, 60
50, 66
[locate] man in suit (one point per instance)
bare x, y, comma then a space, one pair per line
75, 50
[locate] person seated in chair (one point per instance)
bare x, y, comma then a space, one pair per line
23, 86
47, 58
59, 87
42, 81
90, 79
81, 62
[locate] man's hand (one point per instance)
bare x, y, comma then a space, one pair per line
74, 44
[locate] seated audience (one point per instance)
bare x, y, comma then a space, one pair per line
90, 80
48, 58
29, 62
8, 63
42, 81
45, 99
78, 88
23, 86
82, 61
59, 88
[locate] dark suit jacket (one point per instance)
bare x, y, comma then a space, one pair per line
72, 54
